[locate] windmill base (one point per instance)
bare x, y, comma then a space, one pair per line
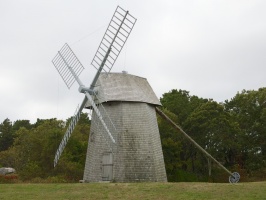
137, 155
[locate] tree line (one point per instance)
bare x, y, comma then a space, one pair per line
234, 132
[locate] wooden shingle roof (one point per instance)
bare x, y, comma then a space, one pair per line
124, 87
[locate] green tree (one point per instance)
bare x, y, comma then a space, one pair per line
216, 131
181, 103
6, 135
249, 109
33, 151
209, 125
21, 123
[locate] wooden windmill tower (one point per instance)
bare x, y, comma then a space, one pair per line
130, 103
124, 143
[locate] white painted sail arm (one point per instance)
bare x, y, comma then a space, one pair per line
99, 115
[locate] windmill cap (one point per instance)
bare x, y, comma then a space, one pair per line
124, 87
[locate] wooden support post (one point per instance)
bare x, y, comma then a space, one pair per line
191, 140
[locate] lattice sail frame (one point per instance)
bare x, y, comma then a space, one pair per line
69, 68
114, 39
64, 59
73, 122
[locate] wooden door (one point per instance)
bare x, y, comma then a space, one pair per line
107, 167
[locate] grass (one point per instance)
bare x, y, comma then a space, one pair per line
188, 191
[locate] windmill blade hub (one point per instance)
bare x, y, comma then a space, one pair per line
83, 89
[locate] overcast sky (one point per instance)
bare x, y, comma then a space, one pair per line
213, 49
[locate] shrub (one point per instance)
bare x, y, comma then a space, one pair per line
10, 178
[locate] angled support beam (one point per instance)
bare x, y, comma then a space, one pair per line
178, 128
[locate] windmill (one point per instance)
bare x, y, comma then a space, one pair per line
124, 143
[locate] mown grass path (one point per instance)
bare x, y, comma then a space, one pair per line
188, 191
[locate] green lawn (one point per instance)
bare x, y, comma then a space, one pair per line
253, 190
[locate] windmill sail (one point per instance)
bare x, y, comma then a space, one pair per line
70, 129
66, 55
69, 67
114, 39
